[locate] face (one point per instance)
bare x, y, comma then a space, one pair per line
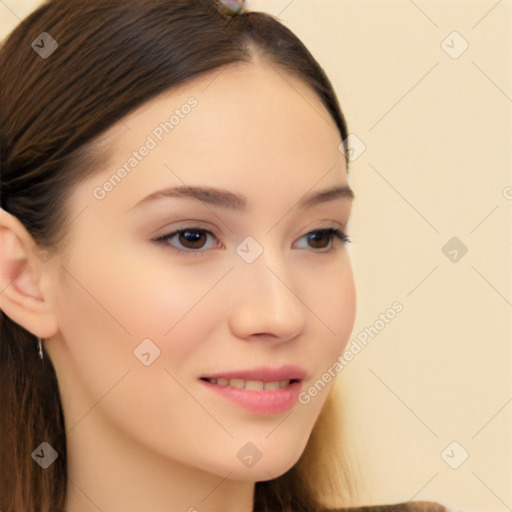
257, 287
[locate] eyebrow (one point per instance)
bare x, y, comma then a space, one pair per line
226, 199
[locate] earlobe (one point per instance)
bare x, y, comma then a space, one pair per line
22, 274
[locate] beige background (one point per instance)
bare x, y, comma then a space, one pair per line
437, 165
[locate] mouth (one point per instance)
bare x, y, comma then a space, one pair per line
262, 390
251, 385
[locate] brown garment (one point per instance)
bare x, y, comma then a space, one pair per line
410, 506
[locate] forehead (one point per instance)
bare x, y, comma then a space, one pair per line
246, 128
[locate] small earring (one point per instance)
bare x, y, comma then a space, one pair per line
40, 347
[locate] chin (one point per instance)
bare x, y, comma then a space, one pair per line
276, 463
262, 472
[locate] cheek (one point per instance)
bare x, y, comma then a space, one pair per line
134, 296
106, 311
345, 311
115, 318
331, 297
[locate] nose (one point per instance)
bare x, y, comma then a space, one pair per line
265, 304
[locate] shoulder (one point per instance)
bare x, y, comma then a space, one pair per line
409, 506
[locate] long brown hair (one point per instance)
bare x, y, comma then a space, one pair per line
112, 57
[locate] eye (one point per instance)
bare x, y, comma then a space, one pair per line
324, 238
192, 239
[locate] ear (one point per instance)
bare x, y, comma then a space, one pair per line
25, 279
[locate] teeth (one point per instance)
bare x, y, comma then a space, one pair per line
254, 385
236, 383
251, 385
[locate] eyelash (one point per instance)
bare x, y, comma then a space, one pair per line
164, 239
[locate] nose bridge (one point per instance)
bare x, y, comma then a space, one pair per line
264, 261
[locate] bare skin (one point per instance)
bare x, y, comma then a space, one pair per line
155, 437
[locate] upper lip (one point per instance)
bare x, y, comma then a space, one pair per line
263, 373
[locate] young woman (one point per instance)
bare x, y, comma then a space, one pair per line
174, 268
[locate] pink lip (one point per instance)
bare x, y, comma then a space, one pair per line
263, 373
261, 402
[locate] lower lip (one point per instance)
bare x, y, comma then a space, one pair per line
263, 402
